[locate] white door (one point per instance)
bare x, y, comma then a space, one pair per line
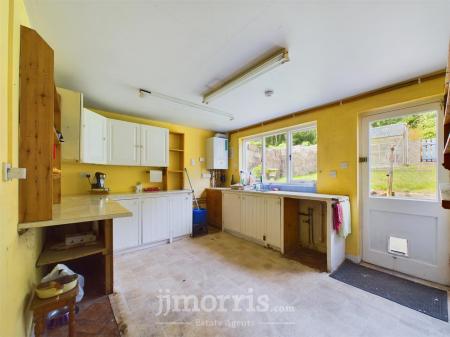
93, 138
126, 230
253, 213
273, 222
231, 211
180, 215
155, 219
124, 143
155, 146
404, 226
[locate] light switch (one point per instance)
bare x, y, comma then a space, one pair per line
343, 165
332, 173
192, 162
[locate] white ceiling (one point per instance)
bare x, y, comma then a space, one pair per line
108, 49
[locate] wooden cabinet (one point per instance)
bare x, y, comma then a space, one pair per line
231, 208
71, 111
255, 216
180, 215
273, 221
155, 219
127, 230
93, 141
124, 143
214, 206
154, 146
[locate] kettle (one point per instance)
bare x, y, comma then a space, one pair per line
100, 178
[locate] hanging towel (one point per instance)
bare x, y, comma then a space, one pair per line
346, 227
337, 217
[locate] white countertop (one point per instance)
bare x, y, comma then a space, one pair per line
296, 195
132, 195
74, 209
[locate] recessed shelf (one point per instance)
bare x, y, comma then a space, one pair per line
50, 256
175, 171
177, 150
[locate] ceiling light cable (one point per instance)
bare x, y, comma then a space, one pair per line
186, 103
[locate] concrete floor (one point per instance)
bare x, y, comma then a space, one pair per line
301, 301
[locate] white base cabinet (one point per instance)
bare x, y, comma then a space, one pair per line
257, 217
155, 219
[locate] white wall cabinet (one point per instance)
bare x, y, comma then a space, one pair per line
254, 216
93, 142
231, 211
127, 230
156, 219
124, 143
154, 146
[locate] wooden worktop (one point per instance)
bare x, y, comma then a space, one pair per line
81, 208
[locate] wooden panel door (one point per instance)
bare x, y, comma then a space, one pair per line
180, 215
93, 138
155, 146
273, 222
155, 219
214, 206
231, 210
253, 213
127, 230
124, 143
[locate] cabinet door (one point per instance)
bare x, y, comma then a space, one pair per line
231, 210
273, 222
155, 219
155, 146
126, 231
253, 213
71, 111
180, 215
124, 143
93, 138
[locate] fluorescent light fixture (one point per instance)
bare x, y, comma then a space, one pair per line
185, 103
278, 58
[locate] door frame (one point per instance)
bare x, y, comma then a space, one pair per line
436, 102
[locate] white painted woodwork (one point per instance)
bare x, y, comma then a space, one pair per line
231, 211
126, 231
155, 219
154, 146
71, 103
124, 143
273, 221
180, 215
252, 215
93, 142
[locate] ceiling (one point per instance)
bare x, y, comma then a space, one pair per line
109, 49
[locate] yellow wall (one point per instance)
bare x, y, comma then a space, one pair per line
337, 128
124, 178
18, 254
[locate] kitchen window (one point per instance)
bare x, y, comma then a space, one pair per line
283, 157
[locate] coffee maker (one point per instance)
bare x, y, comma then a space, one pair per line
99, 183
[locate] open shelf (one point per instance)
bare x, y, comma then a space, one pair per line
50, 256
175, 171
176, 150
175, 176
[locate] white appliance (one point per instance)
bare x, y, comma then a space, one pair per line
217, 153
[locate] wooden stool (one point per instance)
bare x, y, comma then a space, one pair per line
42, 306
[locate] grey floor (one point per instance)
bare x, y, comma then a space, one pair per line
301, 301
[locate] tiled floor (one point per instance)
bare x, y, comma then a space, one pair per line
299, 301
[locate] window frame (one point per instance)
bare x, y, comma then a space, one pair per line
262, 137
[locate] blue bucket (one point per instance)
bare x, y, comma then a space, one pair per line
199, 221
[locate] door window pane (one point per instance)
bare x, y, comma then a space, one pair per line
403, 156
304, 155
275, 158
253, 157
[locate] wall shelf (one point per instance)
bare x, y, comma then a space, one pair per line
174, 179
176, 150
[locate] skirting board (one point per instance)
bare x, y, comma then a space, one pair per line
354, 259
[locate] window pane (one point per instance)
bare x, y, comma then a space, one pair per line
304, 155
403, 156
253, 157
275, 156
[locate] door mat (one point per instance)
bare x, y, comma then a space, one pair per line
427, 300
